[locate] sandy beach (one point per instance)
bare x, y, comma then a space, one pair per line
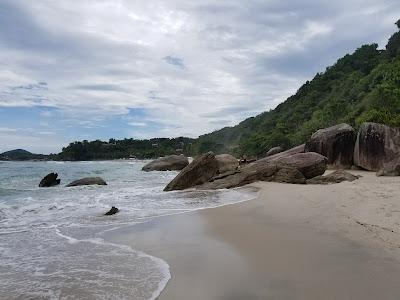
339, 241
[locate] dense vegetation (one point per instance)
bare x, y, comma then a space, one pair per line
363, 86
116, 149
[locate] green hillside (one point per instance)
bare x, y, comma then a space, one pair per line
363, 86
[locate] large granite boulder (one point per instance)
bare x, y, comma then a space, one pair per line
289, 175
391, 168
376, 145
273, 151
336, 143
334, 177
49, 180
310, 164
250, 173
287, 153
226, 163
88, 181
201, 170
167, 163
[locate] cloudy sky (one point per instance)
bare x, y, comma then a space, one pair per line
91, 69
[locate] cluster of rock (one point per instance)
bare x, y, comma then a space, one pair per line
205, 171
52, 180
375, 147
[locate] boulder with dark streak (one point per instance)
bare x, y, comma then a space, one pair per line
336, 143
50, 180
376, 145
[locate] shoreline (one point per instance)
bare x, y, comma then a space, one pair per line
236, 251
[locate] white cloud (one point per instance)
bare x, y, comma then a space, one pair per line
184, 63
137, 124
6, 129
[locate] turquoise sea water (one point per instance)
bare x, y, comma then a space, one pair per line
51, 239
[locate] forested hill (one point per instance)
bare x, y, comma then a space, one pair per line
363, 86
126, 148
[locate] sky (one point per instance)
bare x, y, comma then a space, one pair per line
91, 69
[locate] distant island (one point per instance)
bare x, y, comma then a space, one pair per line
359, 87
21, 154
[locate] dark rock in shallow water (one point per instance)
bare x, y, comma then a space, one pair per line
376, 145
50, 180
336, 143
112, 211
88, 181
201, 170
167, 163
334, 177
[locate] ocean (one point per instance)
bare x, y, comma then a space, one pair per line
52, 243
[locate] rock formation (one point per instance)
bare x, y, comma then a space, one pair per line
50, 180
310, 164
201, 170
290, 152
167, 163
336, 143
112, 211
376, 145
334, 177
391, 168
226, 163
273, 151
88, 181
203, 173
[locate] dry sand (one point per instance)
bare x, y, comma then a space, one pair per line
309, 242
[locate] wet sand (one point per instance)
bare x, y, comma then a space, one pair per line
293, 242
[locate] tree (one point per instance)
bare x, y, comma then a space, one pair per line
393, 45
